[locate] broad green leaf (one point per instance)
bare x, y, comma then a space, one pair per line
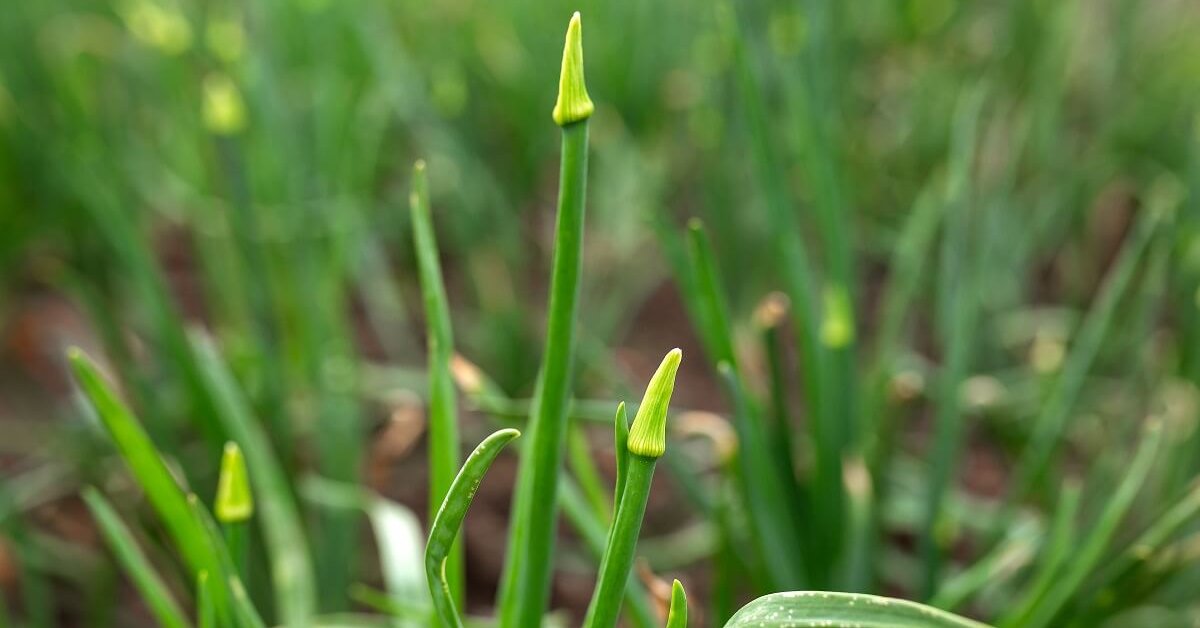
797, 609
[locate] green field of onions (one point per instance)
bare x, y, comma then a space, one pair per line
934, 267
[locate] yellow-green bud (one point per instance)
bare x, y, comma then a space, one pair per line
157, 26
224, 112
837, 328
235, 502
648, 435
573, 102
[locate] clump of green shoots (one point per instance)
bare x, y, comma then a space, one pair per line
216, 562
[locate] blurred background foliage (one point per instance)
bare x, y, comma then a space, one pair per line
241, 167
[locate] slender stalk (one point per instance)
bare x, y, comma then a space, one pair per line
1057, 549
1055, 414
957, 307
525, 583
241, 611
827, 495
579, 459
443, 420
646, 444
770, 493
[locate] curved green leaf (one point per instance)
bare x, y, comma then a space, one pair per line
450, 517
797, 609
147, 466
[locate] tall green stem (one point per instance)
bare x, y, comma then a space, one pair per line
526, 580
443, 424
622, 543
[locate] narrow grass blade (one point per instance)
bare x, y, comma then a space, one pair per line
714, 324
880, 425
525, 583
148, 469
125, 238
999, 565
450, 517
1182, 513
769, 318
957, 313
677, 616
579, 459
206, 613
1087, 557
443, 414
801, 609
135, 563
816, 369
291, 569
766, 498
1057, 550
621, 443
769, 488
1050, 422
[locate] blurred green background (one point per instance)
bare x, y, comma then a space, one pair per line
241, 168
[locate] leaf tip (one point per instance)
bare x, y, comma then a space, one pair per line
677, 615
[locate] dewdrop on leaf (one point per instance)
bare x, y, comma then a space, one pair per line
224, 112
648, 435
235, 502
573, 103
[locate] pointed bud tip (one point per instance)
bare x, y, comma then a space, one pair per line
648, 435
419, 165
573, 103
234, 501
